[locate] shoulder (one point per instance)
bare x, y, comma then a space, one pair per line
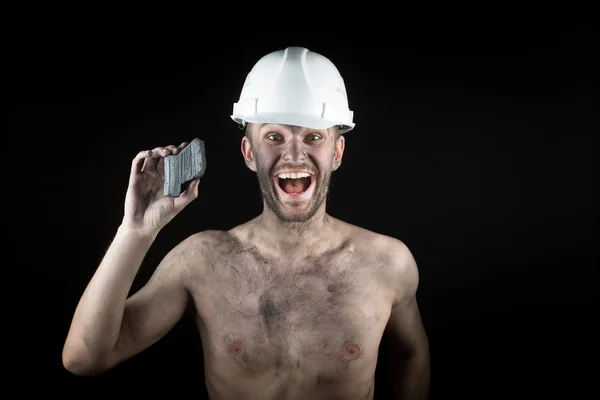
213, 243
197, 252
204, 243
388, 248
401, 268
390, 254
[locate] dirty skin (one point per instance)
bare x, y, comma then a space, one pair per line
313, 323
297, 320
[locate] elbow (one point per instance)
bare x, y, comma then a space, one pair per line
80, 362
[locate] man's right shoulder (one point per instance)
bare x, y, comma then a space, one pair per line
198, 252
209, 240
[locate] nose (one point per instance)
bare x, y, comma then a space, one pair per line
294, 151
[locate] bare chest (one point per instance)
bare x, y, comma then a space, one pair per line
324, 314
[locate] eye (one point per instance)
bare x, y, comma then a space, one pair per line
272, 137
314, 137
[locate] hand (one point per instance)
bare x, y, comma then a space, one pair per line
147, 209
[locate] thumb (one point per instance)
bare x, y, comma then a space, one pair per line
191, 192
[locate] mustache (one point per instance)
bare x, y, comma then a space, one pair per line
304, 167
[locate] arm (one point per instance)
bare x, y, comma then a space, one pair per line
406, 332
108, 327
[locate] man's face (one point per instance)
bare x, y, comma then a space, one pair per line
294, 166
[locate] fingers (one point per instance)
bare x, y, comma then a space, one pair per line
173, 149
149, 159
176, 149
190, 193
158, 154
138, 162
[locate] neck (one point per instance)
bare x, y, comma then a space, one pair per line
286, 237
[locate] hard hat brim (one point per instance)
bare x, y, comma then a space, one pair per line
305, 121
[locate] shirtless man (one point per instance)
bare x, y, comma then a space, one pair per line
292, 304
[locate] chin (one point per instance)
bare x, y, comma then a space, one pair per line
299, 204
296, 210
291, 216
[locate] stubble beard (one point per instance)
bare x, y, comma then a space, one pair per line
270, 197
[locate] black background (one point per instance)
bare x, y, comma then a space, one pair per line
475, 149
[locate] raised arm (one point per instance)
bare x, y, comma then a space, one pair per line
107, 326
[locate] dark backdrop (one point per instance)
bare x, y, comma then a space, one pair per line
476, 150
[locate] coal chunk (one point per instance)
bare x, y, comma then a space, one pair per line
181, 168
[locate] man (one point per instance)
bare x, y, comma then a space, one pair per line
289, 305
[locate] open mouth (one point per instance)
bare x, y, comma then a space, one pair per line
294, 184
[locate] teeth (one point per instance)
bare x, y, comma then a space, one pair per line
293, 175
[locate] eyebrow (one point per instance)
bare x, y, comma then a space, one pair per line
292, 128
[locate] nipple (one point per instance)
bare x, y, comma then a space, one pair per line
236, 348
352, 351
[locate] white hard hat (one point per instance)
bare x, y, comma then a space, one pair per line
294, 86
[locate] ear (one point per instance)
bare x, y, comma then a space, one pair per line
339, 152
247, 153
